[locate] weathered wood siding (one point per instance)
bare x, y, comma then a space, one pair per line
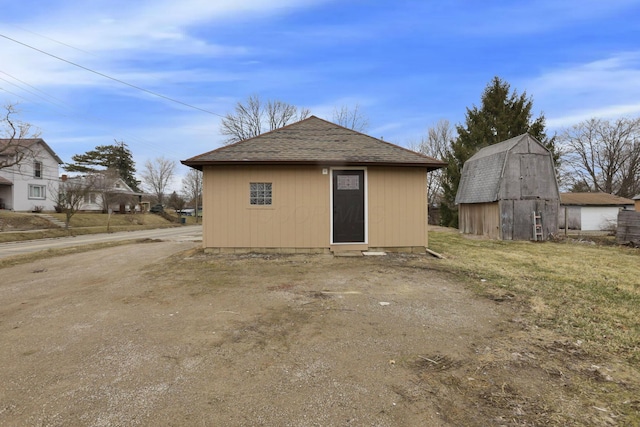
517, 218
527, 183
300, 216
480, 218
628, 227
529, 176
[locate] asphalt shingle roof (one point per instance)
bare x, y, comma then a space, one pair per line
482, 173
314, 141
593, 199
11, 146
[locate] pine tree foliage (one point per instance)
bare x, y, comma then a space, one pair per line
502, 114
116, 157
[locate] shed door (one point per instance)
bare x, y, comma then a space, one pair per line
348, 206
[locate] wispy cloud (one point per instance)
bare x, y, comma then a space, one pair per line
606, 87
407, 63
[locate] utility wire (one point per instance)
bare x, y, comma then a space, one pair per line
112, 78
53, 40
72, 110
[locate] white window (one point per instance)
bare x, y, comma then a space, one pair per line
260, 193
37, 192
37, 169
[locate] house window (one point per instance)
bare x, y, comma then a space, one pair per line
90, 198
37, 192
37, 169
260, 193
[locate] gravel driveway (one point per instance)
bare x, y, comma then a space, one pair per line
159, 333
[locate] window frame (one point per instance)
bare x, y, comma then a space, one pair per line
260, 194
43, 192
38, 169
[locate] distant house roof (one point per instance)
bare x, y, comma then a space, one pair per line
100, 180
483, 172
14, 144
593, 199
314, 141
636, 197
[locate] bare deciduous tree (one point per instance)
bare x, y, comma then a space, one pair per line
254, 117
157, 175
352, 118
603, 155
177, 202
436, 144
70, 195
192, 188
13, 133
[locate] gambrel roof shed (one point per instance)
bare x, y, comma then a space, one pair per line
506, 170
508, 190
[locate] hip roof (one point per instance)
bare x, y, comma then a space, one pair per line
314, 141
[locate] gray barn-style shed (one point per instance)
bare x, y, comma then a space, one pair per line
502, 186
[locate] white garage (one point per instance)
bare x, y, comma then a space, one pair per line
591, 211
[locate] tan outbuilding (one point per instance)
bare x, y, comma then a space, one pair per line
314, 186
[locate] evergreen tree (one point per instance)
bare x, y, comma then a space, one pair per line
116, 157
502, 115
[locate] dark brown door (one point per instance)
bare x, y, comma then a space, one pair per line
348, 206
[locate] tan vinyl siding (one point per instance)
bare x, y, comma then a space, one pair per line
299, 217
397, 207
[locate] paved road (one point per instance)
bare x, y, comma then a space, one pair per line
177, 234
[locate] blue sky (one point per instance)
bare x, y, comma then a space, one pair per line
406, 63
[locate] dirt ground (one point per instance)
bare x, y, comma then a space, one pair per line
161, 334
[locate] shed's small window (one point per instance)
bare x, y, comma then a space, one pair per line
260, 193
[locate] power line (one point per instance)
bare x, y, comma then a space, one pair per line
112, 78
51, 39
72, 110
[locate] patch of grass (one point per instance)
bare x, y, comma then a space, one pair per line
99, 220
588, 292
32, 227
50, 253
12, 221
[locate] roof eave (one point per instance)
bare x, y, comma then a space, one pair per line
198, 164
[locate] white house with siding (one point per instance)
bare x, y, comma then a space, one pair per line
32, 184
105, 192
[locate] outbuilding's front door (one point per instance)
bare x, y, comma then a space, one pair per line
348, 206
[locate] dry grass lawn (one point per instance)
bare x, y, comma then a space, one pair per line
584, 294
25, 226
